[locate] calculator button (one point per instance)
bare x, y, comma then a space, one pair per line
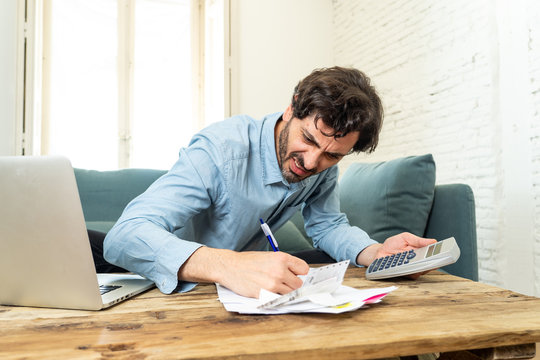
411, 254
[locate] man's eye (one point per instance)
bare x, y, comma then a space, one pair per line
333, 156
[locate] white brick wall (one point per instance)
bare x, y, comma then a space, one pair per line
436, 65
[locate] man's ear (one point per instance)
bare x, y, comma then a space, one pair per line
288, 113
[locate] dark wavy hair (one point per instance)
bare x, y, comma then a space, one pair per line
345, 100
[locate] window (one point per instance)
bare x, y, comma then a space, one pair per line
128, 82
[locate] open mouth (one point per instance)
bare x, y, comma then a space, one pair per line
298, 169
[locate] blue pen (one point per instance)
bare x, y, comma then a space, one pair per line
269, 235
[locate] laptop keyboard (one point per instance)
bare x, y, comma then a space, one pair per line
103, 289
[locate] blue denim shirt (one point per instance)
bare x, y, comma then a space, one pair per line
223, 182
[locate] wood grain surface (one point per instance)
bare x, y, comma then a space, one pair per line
437, 313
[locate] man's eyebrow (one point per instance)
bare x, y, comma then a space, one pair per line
335, 154
312, 139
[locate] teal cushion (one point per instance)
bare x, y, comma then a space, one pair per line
388, 198
105, 194
102, 226
291, 239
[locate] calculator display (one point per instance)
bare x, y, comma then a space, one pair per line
434, 249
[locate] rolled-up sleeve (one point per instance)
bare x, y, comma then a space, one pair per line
143, 239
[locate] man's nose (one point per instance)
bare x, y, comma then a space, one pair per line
311, 160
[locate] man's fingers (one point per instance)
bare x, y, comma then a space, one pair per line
294, 266
416, 241
282, 270
292, 281
283, 289
277, 286
297, 265
282, 281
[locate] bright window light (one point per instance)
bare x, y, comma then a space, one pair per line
83, 89
88, 65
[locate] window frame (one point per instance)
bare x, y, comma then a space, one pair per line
33, 73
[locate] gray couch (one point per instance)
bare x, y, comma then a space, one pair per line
383, 198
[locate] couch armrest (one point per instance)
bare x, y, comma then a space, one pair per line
453, 214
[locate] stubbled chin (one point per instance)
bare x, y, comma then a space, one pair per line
290, 176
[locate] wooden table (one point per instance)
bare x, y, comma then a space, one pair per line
437, 313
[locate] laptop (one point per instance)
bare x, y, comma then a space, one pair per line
45, 254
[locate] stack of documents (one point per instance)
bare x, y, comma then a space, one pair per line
322, 292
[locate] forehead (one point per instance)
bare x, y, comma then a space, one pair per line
320, 131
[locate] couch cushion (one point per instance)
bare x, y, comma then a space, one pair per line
291, 239
105, 194
391, 197
101, 226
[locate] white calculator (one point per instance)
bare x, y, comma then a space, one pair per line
408, 262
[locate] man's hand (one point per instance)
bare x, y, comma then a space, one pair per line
393, 245
245, 273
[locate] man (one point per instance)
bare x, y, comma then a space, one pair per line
200, 221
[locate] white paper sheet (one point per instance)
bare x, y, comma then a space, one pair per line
349, 299
333, 298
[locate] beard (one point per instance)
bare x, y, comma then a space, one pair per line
283, 156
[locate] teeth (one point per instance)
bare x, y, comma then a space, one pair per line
298, 165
